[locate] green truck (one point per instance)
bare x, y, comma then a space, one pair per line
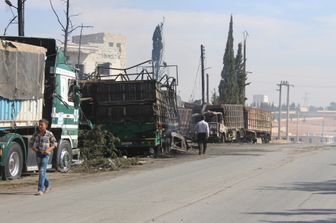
35, 83
137, 108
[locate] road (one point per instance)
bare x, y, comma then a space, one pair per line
250, 183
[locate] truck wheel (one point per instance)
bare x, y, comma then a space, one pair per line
238, 137
167, 147
13, 162
64, 157
222, 139
157, 151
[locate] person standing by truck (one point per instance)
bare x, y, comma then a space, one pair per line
43, 143
202, 129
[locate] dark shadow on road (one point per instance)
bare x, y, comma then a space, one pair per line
299, 212
324, 187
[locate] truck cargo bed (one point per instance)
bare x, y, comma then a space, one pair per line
138, 101
20, 113
257, 119
233, 114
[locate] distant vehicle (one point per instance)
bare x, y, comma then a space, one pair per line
235, 123
258, 124
217, 127
35, 83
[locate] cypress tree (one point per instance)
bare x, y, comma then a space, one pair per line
241, 75
228, 87
157, 50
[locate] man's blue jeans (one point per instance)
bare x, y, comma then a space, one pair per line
42, 163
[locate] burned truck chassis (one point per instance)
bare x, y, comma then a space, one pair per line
135, 107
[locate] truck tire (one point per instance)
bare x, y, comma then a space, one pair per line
166, 146
238, 140
158, 151
13, 162
222, 139
64, 157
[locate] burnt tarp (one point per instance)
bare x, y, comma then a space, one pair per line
21, 70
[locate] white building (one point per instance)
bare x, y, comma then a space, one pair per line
103, 50
260, 99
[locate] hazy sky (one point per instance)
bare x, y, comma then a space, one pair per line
291, 40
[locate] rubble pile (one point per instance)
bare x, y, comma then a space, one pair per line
98, 149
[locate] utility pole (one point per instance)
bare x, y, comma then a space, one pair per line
207, 87
279, 118
287, 115
80, 41
79, 48
20, 15
286, 84
245, 33
297, 124
20, 12
322, 135
202, 69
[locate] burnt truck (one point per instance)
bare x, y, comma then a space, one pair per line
137, 108
185, 115
216, 125
35, 83
229, 126
258, 124
226, 122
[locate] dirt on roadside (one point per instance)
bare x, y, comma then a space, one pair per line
28, 182
79, 174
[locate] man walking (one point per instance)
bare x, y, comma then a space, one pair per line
202, 129
43, 143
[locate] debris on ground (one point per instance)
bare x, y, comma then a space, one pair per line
99, 152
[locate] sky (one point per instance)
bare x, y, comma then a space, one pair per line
289, 40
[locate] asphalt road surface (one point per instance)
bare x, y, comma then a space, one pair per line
246, 183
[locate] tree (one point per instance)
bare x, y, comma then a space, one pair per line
157, 50
228, 87
241, 75
67, 27
292, 107
214, 97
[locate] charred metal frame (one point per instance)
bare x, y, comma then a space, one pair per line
146, 73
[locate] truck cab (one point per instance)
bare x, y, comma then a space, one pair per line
216, 126
58, 103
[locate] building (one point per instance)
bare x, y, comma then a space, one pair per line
98, 53
258, 100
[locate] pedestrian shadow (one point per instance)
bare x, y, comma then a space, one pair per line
323, 187
17, 193
297, 213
